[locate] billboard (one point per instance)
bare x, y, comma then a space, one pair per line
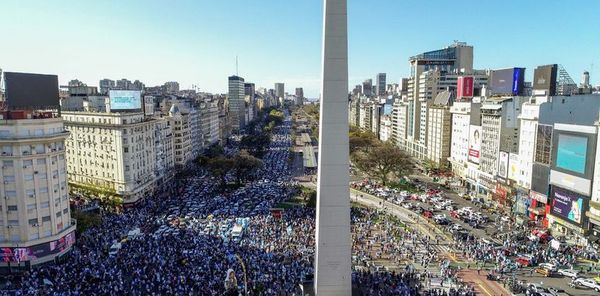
544, 78
503, 165
513, 166
31, 91
508, 82
567, 205
125, 100
464, 87
474, 143
22, 254
571, 153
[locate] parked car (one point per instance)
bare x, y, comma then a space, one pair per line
589, 283
544, 271
569, 273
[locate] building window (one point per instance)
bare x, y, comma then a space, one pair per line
45, 205
13, 222
33, 221
12, 208
46, 219
7, 163
41, 161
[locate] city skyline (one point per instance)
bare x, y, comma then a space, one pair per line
185, 43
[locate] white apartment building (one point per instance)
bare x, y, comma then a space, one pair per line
385, 128
209, 121
112, 155
182, 142
34, 208
439, 129
197, 143
399, 122
459, 150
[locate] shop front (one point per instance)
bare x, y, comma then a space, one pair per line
538, 207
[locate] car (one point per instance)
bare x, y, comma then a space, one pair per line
548, 266
544, 271
569, 273
589, 283
525, 262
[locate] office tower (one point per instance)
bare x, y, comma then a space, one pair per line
249, 90
123, 84
367, 87
333, 246
381, 84
237, 104
138, 85
35, 201
280, 90
299, 96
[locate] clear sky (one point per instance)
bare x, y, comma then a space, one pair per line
196, 41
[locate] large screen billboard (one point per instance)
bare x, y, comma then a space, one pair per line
464, 87
513, 166
31, 91
125, 100
567, 205
544, 78
474, 143
507, 81
571, 153
22, 254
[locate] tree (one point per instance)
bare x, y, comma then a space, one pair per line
255, 144
382, 162
85, 220
361, 140
245, 166
219, 167
212, 151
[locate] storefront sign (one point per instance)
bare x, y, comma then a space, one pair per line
37, 251
538, 196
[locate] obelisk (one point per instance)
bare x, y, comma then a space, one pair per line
333, 247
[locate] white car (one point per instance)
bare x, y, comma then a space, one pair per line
590, 283
548, 266
569, 273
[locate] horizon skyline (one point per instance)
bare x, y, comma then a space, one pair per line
147, 42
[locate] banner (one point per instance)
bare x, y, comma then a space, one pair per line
474, 143
38, 251
503, 165
567, 205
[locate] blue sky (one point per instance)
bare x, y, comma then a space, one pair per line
195, 42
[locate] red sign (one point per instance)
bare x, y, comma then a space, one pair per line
464, 87
473, 153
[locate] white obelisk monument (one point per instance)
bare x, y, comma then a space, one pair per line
333, 246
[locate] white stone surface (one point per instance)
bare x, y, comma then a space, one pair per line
333, 245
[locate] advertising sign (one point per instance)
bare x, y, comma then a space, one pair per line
37, 251
464, 87
503, 165
567, 205
513, 166
571, 153
474, 143
544, 78
125, 100
507, 81
20, 93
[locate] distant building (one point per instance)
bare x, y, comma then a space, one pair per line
171, 87
367, 87
106, 85
381, 84
124, 84
299, 96
237, 103
280, 90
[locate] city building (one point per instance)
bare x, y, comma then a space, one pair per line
237, 103
299, 96
367, 87
381, 84
35, 190
123, 84
462, 155
181, 122
171, 87
280, 91
385, 128
106, 85
439, 129
209, 117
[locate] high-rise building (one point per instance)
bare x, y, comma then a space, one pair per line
138, 85
381, 84
280, 90
299, 96
181, 122
237, 103
367, 87
249, 90
123, 84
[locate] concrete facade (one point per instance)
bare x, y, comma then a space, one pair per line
333, 271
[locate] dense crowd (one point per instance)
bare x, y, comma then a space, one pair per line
187, 245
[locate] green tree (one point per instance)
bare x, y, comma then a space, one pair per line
245, 165
85, 220
361, 140
255, 144
383, 162
219, 167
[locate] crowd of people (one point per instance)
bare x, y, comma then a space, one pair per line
186, 246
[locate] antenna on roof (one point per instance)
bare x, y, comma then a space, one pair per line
236, 66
